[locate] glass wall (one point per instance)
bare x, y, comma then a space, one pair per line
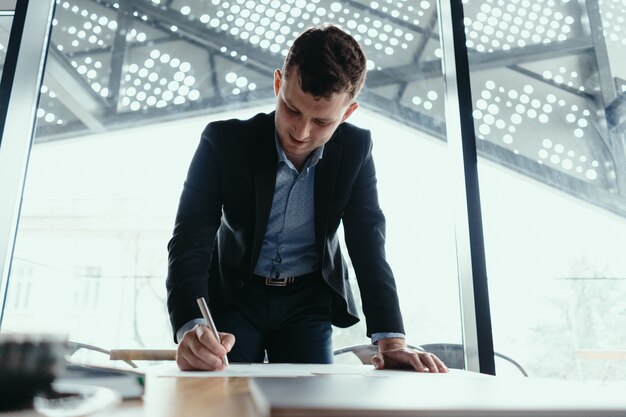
548, 86
129, 87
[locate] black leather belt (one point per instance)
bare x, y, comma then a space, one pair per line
283, 282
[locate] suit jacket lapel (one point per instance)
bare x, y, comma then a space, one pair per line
265, 165
325, 176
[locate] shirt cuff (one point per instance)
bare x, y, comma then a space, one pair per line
377, 336
186, 327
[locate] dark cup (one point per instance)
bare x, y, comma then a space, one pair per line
28, 365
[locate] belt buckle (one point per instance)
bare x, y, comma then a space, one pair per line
281, 282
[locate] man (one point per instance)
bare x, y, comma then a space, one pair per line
256, 229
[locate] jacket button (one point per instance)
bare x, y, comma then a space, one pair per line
240, 283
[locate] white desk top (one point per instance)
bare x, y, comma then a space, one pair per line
459, 393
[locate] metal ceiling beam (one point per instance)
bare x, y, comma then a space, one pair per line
588, 192
118, 53
74, 92
129, 119
215, 84
421, 47
515, 56
616, 114
482, 61
396, 111
404, 73
109, 49
541, 78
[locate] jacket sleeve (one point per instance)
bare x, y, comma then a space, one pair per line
197, 221
364, 227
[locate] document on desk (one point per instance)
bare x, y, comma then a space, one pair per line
283, 370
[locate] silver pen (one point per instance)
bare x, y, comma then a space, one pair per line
209, 322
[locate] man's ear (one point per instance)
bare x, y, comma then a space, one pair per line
351, 108
278, 78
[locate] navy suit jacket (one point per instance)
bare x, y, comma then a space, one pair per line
224, 210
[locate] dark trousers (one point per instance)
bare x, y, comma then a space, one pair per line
292, 323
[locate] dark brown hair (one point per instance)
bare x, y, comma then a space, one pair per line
328, 61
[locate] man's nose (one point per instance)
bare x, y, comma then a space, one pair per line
301, 130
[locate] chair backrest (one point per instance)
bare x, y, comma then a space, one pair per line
364, 352
450, 353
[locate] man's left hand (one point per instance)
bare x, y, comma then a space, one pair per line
394, 354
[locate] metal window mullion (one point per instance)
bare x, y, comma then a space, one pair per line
472, 270
31, 41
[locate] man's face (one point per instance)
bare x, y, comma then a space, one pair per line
304, 122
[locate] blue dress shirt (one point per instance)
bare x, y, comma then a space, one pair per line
288, 248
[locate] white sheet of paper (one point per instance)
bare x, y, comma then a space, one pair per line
287, 370
263, 369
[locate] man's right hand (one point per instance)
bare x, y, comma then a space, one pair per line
200, 351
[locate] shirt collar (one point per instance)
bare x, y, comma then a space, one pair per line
311, 161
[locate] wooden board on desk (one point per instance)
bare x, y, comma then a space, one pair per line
603, 355
442, 395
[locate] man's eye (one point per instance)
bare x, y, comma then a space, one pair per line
292, 111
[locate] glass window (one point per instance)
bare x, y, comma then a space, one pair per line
128, 88
6, 20
548, 86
